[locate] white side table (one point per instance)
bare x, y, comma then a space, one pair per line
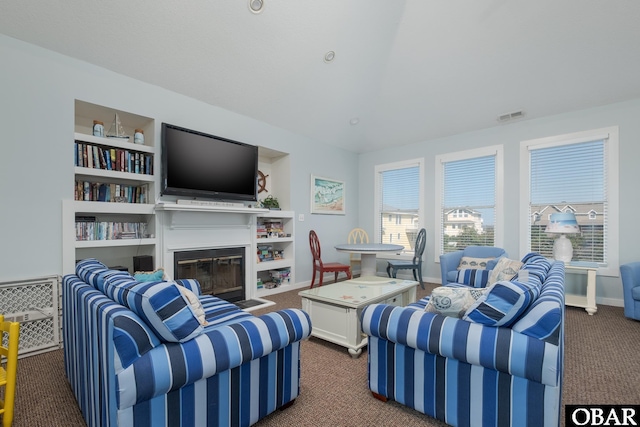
588, 301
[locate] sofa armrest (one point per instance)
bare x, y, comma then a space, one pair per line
449, 262
174, 365
500, 349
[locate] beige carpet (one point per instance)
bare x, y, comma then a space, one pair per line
601, 366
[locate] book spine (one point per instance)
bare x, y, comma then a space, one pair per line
96, 157
89, 156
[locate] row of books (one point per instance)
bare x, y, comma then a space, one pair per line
120, 193
105, 230
113, 159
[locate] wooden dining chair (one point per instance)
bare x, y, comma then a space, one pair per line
321, 267
415, 264
9, 334
357, 235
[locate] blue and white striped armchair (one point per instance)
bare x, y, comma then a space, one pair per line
139, 354
472, 374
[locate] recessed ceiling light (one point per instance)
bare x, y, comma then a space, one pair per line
354, 121
256, 6
329, 56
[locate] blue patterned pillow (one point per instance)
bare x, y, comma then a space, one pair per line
475, 277
192, 284
502, 304
160, 304
164, 308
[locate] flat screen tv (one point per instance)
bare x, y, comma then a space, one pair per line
195, 164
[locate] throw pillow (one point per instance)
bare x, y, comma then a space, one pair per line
475, 277
471, 262
195, 304
192, 284
505, 269
452, 302
503, 303
165, 309
149, 276
161, 305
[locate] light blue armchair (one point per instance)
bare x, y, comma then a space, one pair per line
449, 262
630, 274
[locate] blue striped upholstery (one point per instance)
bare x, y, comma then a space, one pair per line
476, 278
219, 312
503, 303
238, 370
91, 271
469, 374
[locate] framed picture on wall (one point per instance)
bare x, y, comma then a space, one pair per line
327, 196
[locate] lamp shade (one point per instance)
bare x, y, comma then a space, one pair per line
562, 223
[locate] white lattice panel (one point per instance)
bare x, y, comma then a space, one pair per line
35, 304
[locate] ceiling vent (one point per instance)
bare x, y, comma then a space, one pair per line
510, 116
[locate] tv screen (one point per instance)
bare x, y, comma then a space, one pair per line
195, 164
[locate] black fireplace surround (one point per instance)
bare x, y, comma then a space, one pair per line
220, 272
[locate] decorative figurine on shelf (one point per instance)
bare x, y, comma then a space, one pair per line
270, 202
116, 130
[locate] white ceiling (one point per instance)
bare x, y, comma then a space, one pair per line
410, 70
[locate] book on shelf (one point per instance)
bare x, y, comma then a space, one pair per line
103, 192
109, 230
116, 159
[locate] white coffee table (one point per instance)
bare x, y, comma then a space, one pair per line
335, 309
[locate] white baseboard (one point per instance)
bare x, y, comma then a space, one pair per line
615, 302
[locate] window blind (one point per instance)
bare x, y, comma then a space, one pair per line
399, 206
570, 178
468, 203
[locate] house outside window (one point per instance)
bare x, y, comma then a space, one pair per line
469, 199
399, 202
572, 173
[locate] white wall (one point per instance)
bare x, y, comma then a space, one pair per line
625, 115
37, 92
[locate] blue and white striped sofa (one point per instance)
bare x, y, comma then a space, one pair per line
167, 370
471, 374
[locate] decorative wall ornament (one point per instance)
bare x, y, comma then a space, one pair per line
327, 196
262, 182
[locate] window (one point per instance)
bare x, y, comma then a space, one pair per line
573, 173
399, 202
469, 199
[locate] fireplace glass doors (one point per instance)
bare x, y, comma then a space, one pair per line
220, 272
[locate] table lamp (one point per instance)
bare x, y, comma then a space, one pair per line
562, 224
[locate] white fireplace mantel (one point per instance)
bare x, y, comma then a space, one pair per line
191, 227
209, 208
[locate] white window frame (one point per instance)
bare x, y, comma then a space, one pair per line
613, 200
377, 202
441, 159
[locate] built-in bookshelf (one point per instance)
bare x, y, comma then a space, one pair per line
275, 252
113, 199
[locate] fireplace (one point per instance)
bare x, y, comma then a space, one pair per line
220, 272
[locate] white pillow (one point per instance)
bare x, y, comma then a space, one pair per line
453, 302
195, 304
505, 269
469, 263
